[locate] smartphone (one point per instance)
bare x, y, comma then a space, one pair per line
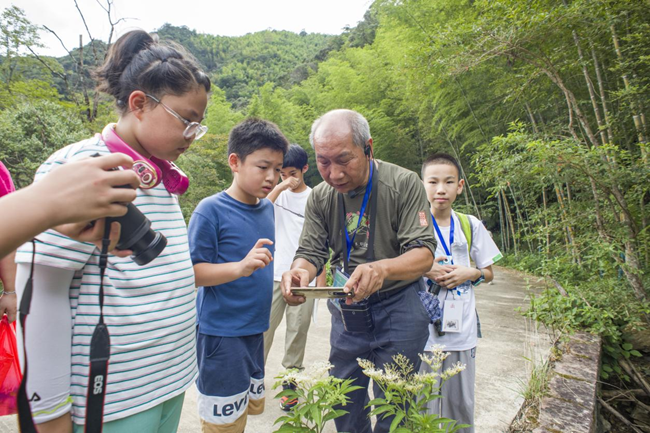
321, 292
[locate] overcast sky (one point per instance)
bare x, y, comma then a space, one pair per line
218, 17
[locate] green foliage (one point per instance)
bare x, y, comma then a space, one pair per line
406, 393
240, 65
319, 396
30, 132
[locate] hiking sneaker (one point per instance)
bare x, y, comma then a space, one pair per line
286, 403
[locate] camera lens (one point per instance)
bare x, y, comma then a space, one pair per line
136, 235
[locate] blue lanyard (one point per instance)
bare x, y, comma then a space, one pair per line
441, 239
366, 196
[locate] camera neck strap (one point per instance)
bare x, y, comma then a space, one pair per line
100, 353
369, 196
100, 350
25, 420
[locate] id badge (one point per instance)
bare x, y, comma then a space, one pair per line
340, 278
452, 317
447, 261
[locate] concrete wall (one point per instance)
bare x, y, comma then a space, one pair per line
571, 403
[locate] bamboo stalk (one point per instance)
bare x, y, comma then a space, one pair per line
603, 98
509, 216
504, 246
522, 226
548, 234
590, 87
638, 124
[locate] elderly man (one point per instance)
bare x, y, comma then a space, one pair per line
375, 218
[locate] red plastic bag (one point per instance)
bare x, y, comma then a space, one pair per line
10, 375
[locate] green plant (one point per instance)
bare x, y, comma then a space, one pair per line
537, 385
317, 393
406, 393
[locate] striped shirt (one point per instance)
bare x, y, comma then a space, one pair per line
149, 310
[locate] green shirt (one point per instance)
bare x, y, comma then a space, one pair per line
403, 221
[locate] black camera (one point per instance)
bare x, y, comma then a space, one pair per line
136, 235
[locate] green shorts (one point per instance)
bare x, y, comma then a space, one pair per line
162, 418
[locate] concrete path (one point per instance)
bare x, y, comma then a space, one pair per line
501, 365
500, 369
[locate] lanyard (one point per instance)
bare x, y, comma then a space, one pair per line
349, 242
442, 240
370, 253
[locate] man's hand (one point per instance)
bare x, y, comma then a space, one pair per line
364, 281
296, 277
438, 270
457, 276
86, 232
257, 258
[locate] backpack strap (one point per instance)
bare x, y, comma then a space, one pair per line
466, 226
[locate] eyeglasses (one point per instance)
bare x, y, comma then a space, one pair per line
192, 129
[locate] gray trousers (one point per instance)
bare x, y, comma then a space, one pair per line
298, 320
401, 326
457, 400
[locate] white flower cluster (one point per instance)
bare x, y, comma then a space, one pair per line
400, 374
307, 378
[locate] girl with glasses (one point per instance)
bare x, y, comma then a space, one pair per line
161, 96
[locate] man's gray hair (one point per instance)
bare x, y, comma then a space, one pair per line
358, 124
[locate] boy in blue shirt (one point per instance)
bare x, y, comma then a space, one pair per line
231, 236
460, 238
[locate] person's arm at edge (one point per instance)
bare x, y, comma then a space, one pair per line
8, 303
77, 191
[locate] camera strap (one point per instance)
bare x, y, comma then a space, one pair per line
371, 195
100, 348
100, 353
25, 420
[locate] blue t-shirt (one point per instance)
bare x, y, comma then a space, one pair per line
224, 230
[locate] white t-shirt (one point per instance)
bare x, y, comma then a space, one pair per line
150, 310
484, 253
289, 219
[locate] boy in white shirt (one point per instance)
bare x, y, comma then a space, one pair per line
290, 198
460, 238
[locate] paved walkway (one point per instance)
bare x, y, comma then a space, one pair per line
501, 366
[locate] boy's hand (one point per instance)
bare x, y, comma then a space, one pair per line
257, 258
438, 270
457, 276
289, 183
296, 277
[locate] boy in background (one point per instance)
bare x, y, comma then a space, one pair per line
290, 199
231, 237
452, 278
